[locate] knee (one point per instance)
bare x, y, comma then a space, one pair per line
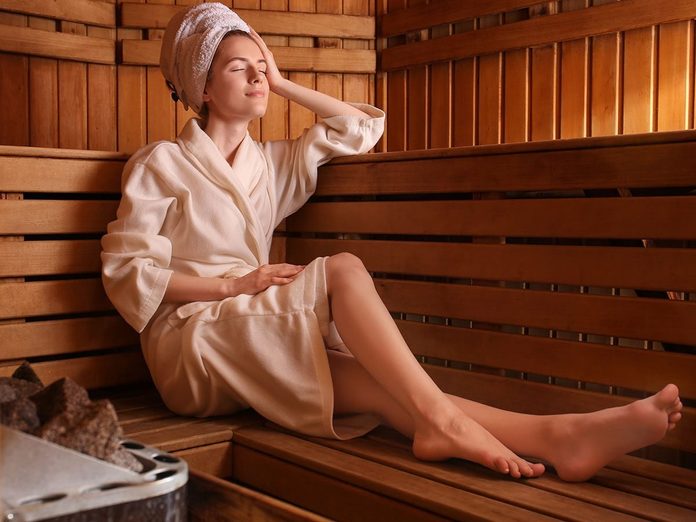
344, 267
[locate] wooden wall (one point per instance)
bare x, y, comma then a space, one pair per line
497, 71
84, 74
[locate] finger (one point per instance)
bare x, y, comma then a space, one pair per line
281, 280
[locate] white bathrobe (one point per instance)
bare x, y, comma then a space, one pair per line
184, 208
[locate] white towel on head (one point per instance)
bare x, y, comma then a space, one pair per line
188, 47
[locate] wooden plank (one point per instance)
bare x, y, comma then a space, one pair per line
52, 297
361, 489
215, 459
422, 16
417, 114
648, 488
43, 93
587, 362
629, 317
543, 399
146, 52
101, 99
558, 499
489, 96
46, 152
440, 99
264, 22
209, 498
464, 102
619, 267
605, 85
656, 470
639, 77
26, 174
35, 42
68, 336
604, 19
27, 258
14, 85
637, 217
675, 75
544, 92
82, 11
160, 114
516, 96
99, 371
55, 216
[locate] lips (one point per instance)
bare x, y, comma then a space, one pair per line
256, 93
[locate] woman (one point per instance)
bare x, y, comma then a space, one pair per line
309, 347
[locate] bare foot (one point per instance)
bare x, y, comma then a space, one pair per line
463, 437
584, 443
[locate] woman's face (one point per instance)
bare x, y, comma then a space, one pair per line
237, 88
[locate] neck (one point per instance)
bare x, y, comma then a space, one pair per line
227, 135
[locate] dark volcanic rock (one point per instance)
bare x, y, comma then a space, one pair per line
21, 387
27, 373
19, 414
62, 396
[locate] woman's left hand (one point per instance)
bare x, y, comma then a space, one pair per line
273, 76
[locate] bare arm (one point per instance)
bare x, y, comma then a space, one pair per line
321, 104
184, 288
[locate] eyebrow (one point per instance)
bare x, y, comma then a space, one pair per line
244, 60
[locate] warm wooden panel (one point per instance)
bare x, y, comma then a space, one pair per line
542, 399
27, 174
99, 371
28, 258
52, 297
609, 18
36, 42
640, 218
447, 11
55, 217
574, 90
47, 152
675, 75
464, 102
29, 339
638, 80
516, 96
14, 93
264, 22
146, 52
629, 317
620, 267
587, 362
83, 11
604, 118
544, 89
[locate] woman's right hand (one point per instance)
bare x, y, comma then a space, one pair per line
265, 276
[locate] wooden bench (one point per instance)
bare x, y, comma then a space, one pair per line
541, 277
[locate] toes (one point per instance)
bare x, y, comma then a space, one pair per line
674, 417
501, 465
538, 469
514, 469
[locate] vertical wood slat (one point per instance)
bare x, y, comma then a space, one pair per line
440, 99
417, 101
43, 93
101, 99
674, 104
72, 96
639, 80
14, 90
396, 92
489, 91
516, 93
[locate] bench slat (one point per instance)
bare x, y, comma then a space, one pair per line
620, 267
588, 362
659, 165
23, 217
542, 399
547, 494
635, 218
281, 464
26, 174
648, 488
661, 320
98, 371
52, 297
64, 336
30, 258
656, 470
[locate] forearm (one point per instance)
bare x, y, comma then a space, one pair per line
321, 104
183, 288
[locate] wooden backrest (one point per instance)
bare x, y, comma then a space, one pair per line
54, 207
541, 277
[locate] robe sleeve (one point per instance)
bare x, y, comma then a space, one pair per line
295, 162
135, 256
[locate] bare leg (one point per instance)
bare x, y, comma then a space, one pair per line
440, 429
577, 445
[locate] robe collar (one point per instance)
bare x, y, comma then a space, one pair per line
215, 167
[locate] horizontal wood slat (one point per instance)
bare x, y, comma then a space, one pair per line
52, 297
264, 22
544, 399
310, 59
266, 460
637, 217
632, 368
30, 258
660, 165
55, 217
81, 11
419, 16
620, 267
608, 18
636, 318
98, 371
49, 152
36, 42
22, 174
64, 336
